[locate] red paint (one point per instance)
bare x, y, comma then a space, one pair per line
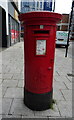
39, 68
12, 34
16, 34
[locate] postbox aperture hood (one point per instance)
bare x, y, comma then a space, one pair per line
40, 16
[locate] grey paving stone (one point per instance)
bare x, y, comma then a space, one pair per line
6, 104
73, 95
59, 85
0, 91
14, 71
57, 95
14, 93
0, 67
29, 117
18, 76
0, 117
61, 78
56, 73
5, 70
10, 83
72, 86
61, 118
0, 106
0, 75
51, 112
65, 108
55, 118
68, 84
73, 108
13, 63
64, 72
21, 83
70, 78
3, 91
73, 111
67, 94
0, 81
18, 108
7, 76
12, 116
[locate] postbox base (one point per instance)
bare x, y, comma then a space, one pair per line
38, 101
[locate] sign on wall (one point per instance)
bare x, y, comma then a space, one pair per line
12, 36
48, 5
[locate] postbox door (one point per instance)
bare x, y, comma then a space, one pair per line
45, 60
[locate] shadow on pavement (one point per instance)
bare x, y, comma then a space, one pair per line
2, 49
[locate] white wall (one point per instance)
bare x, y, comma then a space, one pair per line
4, 5
19, 5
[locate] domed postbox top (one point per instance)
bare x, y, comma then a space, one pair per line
40, 16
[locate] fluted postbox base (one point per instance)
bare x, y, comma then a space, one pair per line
38, 102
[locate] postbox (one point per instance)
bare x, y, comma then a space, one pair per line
39, 49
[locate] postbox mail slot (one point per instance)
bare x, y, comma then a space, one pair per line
41, 32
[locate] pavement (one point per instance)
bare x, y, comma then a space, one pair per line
12, 84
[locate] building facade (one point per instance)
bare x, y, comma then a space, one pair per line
72, 24
64, 23
9, 23
37, 5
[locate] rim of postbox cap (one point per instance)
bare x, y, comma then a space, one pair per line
40, 14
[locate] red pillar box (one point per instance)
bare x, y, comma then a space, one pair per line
39, 48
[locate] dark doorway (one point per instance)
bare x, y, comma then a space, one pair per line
3, 39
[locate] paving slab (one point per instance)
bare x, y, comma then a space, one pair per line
71, 79
5, 70
65, 108
0, 117
1, 75
21, 83
10, 83
11, 71
0, 90
68, 84
35, 117
7, 76
0, 81
14, 93
72, 86
12, 62
61, 78
67, 94
50, 112
0, 106
6, 104
17, 76
59, 85
11, 117
57, 95
18, 108
3, 91
72, 94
